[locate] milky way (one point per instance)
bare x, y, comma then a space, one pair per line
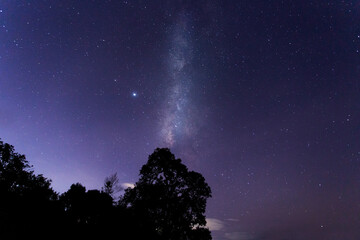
176, 122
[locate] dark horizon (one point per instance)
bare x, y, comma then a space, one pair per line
260, 97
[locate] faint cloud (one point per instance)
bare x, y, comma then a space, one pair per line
127, 185
238, 236
232, 219
214, 224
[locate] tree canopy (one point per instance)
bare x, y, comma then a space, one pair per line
27, 201
170, 198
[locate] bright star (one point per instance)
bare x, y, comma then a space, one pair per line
134, 94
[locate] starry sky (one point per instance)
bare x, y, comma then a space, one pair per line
261, 97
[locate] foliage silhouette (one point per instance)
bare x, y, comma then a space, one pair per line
168, 199
87, 213
111, 185
27, 202
168, 202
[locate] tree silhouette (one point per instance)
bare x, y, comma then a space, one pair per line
168, 200
111, 185
88, 213
74, 204
167, 203
27, 202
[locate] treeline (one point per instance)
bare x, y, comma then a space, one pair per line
167, 203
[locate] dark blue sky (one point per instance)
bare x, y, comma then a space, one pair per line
261, 97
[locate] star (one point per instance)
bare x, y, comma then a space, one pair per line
134, 94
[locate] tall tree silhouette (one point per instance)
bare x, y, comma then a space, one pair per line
169, 201
27, 202
111, 186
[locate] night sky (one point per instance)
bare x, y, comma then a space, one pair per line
261, 97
